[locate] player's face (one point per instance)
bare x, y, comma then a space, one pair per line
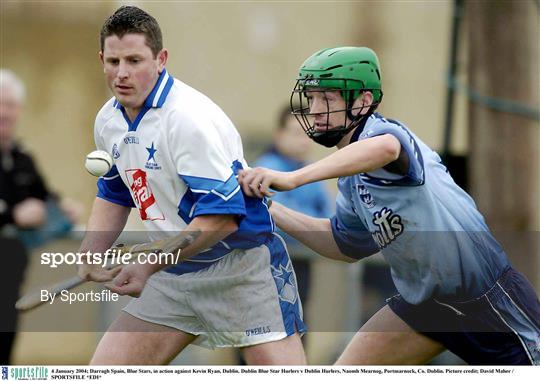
10, 111
131, 69
329, 108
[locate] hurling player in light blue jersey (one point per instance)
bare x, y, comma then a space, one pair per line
176, 156
457, 289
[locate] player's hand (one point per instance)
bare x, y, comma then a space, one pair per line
96, 272
131, 280
256, 182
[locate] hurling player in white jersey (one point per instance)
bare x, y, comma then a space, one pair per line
176, 157
457, 289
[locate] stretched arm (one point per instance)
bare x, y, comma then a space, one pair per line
315, 233
362, 156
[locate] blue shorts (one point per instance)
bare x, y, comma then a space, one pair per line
501, 327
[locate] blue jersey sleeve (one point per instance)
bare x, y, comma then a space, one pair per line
415, 173
112, 188
210, 196
350, 233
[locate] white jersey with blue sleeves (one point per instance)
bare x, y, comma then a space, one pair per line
178, 160
427, 227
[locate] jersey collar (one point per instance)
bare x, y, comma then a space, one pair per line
158, 95
359, 129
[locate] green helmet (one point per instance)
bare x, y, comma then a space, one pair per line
351, 70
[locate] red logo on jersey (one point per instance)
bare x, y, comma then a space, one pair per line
144, 198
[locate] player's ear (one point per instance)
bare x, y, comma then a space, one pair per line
162, 57
365, 100
100, 54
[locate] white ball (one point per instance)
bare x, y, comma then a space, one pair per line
98, 163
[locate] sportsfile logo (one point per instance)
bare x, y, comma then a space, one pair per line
111, 257
27, 373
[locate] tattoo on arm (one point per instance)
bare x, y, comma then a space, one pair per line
182, 241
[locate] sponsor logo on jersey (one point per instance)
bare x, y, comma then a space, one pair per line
143, 196
365, 196
115, 152
151, 161
389, 226
131, 140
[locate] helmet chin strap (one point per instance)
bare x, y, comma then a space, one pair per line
329, 138
332, 137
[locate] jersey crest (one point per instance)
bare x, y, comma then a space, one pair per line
115, 151
151, 162
365, 196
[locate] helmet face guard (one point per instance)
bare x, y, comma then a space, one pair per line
349, 70
301, 108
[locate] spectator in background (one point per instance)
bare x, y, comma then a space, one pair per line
26, 206
289, 152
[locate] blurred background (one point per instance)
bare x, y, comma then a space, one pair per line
463, 75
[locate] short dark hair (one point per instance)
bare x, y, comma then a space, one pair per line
129, 19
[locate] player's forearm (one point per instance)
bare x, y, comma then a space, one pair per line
202, 233
315, 233
362, 156
106, 222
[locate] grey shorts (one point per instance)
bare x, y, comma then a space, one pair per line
248, 297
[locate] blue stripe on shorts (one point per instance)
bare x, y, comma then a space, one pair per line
287, 286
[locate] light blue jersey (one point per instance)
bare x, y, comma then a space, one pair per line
427, 228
